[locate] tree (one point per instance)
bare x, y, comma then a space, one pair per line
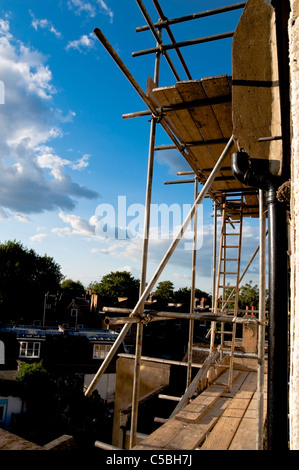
117, 284
164, 293
25, 278
183, 295
248, 296
72, 288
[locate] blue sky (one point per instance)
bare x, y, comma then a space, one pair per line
65, 148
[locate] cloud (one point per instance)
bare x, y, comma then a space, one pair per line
104, 7
44, 24
39, 237
174, 160
33, 177
78, 226
90, 8
79, 6
83, 44
22, 218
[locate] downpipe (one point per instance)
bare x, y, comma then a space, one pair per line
255, 173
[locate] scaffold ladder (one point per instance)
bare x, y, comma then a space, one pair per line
228, 275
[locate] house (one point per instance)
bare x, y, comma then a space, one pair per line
64, 351
61, 345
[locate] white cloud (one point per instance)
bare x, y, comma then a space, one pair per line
106, 10
78, 226
84, 43
80, 6
174, 160
48, 159
62, 232
90, 8
33, 178
22, 218
38, 238
44, 24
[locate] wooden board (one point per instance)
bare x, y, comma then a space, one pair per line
245, 437
219, 425
223, 433
190, 111
193, 412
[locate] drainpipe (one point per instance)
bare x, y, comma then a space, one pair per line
255, 172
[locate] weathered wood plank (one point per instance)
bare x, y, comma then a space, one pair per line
193, 412
161, 438
190, 437
223, 433
245, 437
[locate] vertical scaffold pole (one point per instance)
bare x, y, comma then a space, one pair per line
261, 327
192, 295
214, 255
148, 198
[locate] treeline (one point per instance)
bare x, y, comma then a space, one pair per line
28, 280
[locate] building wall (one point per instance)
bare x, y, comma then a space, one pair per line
294, 339
13, 405
105, 386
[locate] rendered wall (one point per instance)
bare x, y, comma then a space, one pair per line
294, 340
152, 376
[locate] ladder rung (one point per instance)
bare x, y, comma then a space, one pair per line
229, 259
228, 286
230, 246
232, 234
227, 272
219, 332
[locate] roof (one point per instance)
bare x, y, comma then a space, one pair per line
199, 113
23, 331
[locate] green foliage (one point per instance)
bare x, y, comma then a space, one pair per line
56, 405
72, 288
117, 284
165, 290
183, 295
30, 372
27, 276
248, 296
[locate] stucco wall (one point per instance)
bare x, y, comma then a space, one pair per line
294, 77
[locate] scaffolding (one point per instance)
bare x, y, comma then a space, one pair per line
196, 116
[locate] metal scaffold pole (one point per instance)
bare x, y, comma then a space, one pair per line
192, 295
261, 327
148, 197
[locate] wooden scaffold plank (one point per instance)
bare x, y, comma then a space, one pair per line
223, 433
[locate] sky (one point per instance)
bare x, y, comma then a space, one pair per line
67, 154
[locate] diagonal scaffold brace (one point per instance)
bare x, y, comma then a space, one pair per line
161, 267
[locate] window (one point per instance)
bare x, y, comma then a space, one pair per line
100, 351
29, 349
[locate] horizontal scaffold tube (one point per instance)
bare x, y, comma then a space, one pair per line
158, 316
